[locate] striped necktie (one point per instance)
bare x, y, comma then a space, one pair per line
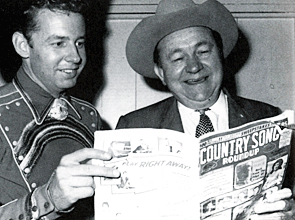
205, 124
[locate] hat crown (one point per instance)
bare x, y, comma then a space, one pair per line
169, 6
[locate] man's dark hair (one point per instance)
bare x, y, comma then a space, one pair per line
27, 22
216, 36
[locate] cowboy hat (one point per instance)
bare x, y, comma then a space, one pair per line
174, 15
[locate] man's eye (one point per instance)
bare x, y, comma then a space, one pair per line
177, 59
204, 51
80, 44
59, 44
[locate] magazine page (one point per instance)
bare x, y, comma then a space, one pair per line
167, 174
240, 167
159, 175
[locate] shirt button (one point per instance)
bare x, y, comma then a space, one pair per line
17, 103
14, 143
91, 113
6, 128
27, 170
46, 205
83, 108
93, 125
21, 157
34, 185
34, 208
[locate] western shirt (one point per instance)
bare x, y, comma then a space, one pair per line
32, 142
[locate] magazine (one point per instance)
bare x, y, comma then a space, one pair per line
167, 174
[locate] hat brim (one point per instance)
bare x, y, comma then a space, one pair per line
146, 35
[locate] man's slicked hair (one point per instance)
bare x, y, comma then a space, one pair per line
27, 20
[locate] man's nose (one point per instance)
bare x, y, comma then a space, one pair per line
73, 55
193, 65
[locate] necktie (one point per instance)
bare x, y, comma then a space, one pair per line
205, 124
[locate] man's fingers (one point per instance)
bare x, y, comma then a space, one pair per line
84, 154
277, 201
88, 170
272, 216
279, 195
281, 210
270, 207
79, 181
283, 205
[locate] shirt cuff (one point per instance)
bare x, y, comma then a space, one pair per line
41, 204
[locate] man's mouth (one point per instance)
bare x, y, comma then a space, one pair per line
196, 81
69, 71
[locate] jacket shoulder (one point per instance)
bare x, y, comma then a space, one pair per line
88, 112
257, 109
81, 104
149, 116
8, 90
9, 93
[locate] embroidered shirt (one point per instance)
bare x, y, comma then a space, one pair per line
32, 142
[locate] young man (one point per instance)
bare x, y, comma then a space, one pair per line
184, 45
46, 136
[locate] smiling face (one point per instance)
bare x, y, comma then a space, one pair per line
57, 51
190, 64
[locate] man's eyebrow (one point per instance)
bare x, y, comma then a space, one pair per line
57, 37
179, 50
205, 42
173, 52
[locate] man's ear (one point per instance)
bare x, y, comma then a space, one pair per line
160, 73
21, 44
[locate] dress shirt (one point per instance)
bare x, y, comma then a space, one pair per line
218, 115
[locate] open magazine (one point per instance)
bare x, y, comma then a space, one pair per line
167, 174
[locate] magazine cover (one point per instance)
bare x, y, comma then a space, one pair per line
240, 167
167, 174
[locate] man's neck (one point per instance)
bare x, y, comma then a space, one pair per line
33, 77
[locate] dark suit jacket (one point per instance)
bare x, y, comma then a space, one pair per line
165, 114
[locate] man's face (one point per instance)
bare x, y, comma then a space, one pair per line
57, 51
191, 66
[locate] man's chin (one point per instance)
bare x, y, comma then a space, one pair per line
198, 102
68, 86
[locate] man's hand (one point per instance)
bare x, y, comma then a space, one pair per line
278, 206
73, 178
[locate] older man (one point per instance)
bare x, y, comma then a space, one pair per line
184, 45
46, 136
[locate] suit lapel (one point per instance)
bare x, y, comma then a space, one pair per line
237, 116
171, 118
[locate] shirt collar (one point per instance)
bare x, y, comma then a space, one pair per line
38, 100
218, 114
220, 106
217, 107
